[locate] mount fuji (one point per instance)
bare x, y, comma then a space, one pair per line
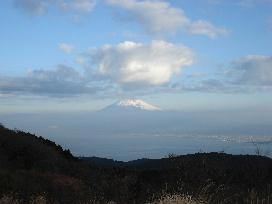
129, 115
131, 105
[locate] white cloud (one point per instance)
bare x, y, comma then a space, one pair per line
40, 7
157, 17
154, 16
251, 73
78, 5
66, 48
84, 5
60, 82
131, 68
36, 7
125, 68
202, 27
253, 70
141, 64
80, 60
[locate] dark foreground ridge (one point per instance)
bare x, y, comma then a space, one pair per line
36, 170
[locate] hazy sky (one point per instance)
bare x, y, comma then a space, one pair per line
84, 54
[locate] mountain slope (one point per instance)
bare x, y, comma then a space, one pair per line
127, 105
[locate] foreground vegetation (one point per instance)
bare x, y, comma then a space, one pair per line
36, 170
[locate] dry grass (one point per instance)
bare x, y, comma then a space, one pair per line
38, 200
8, 200
175, 199
11, 200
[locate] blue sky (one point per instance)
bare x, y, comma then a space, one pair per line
83, 54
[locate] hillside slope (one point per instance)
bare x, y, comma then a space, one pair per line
32, 167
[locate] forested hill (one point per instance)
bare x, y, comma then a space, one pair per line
32, 166
36, 170
27, 151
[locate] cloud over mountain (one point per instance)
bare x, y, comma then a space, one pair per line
135, 68
122, 67
141, 64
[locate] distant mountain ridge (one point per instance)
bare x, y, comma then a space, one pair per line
131, 105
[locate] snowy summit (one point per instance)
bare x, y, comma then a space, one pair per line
137, 104
132, 104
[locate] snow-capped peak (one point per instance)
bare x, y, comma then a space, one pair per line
136, 103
